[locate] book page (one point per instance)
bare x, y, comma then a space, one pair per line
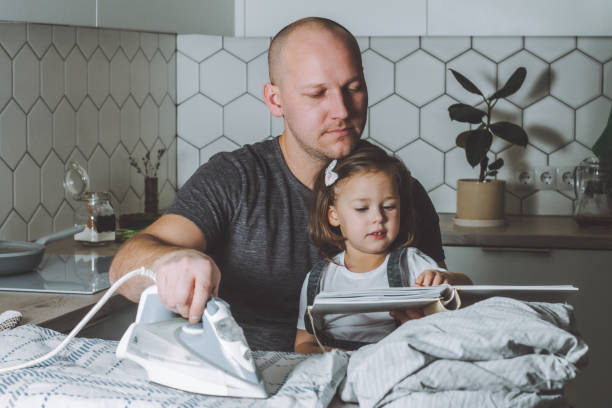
541, 293
387, 299
369, 306
380, 299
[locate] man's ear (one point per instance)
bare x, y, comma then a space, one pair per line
332, 216
271, 95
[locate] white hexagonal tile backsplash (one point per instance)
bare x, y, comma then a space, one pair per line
108, 94
39, 37
379, 76
52, 78
564, 84
222, 77
394, 48
563, 103
85, 94
497, 48
394, 122
419, 78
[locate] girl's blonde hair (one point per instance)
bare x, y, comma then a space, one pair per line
365, 158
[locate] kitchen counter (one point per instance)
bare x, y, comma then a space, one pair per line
61, 312
57, 311
523, 231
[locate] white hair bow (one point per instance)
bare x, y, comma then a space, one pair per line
330, 175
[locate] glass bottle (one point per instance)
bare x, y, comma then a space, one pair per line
97, 215
94, 210
593, 186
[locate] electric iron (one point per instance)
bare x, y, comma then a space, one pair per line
211, 357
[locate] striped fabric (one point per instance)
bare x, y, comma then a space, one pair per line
496, 353
87, 374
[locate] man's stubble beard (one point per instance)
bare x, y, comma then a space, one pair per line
323, 156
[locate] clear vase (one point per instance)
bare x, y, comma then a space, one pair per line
151, 197
593, 187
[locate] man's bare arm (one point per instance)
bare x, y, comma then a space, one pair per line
173, 247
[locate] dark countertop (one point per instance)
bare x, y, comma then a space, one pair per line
62, 311
523, 231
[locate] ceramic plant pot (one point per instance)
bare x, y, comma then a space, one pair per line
480, 204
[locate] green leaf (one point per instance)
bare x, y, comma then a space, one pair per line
510, 132
466, 83
461, 138
512, 85
477, 145
497, 164
603, 146
465, 113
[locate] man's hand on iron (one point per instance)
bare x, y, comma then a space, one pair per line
186, 279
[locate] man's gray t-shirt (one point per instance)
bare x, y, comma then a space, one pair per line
253, 213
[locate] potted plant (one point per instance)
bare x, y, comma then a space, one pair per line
480, 202
149, 170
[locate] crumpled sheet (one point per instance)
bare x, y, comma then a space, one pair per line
496, 353
87, 374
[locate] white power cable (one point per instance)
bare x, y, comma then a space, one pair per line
137, 272
314, 333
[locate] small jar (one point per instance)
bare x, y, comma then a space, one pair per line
97, 215
93, 211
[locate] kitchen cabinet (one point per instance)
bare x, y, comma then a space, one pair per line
257, 18
252, 18
72, 12
218, 17
261, 18
589, 270
361, 17
519, 17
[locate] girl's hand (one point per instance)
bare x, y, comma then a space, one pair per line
431, 277
404, 315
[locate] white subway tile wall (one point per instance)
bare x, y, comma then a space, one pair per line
563, 104
96, 96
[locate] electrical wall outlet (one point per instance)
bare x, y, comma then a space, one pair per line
524, 179
565, 178
545, 178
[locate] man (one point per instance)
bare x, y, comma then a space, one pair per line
243, 215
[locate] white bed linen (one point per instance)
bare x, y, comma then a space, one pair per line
86, 374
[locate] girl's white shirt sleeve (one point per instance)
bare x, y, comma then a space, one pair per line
303, 300
416, 261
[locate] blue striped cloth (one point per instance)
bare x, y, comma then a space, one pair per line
496, 353
87, 374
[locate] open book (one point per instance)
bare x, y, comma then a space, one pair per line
431, 298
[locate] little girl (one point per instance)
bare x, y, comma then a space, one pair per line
361, 219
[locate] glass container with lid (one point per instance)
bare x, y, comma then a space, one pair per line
94, 209
593, 187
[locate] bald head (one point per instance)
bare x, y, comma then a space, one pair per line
284, 37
